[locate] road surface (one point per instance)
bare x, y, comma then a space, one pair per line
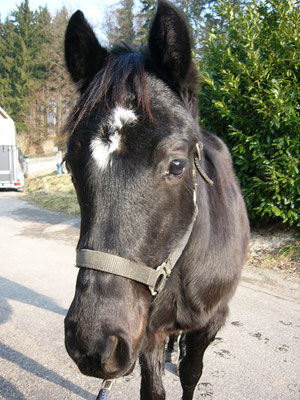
36, 165
256, 356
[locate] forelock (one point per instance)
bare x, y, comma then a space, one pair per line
122, 79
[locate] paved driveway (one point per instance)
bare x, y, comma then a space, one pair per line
256, 356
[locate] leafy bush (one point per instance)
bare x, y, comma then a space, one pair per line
249, 95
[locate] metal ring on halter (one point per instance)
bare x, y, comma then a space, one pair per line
164, 271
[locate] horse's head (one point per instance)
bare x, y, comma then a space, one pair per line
130, 153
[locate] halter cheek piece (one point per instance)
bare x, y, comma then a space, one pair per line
155, 279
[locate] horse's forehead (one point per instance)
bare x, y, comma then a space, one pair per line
103, 148
167, 110
121, 116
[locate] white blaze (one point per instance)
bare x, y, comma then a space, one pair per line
102, 150
122, 116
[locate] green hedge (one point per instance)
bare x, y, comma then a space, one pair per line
249, 95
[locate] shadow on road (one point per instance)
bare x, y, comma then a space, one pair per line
30, 213
9, 391
5, 310
172, 368
14, 291
35, 214
28, 364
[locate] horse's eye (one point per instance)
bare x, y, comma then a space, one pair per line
176, 168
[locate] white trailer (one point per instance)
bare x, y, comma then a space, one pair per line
11, 175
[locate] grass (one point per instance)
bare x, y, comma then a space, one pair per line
53, 192
285, 258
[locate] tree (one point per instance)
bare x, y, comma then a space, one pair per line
35, 87
144, 19
60, 89
200, 14
250, 96
5, 65
23, 61
203, 17
119, 23
51, 98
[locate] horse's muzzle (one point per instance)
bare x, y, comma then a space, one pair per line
108, 357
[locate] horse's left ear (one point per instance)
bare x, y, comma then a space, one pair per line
83, 54
170, 47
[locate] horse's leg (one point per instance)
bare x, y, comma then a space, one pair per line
152, 360
193, 346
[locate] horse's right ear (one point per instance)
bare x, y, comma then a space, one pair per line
83, 54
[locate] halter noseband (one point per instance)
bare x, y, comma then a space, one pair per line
155, 279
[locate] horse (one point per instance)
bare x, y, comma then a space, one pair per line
164, 229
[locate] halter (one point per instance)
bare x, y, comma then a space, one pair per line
155, 279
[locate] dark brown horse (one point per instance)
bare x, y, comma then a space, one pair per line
164, 229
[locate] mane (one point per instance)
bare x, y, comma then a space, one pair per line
123, 73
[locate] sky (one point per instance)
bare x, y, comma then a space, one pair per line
92, 9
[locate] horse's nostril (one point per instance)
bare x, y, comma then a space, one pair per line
106, 357
116, 354
110, 349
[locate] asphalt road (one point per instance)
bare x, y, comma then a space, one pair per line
256, 355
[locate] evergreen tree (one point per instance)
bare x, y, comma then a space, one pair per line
125, 20
119, 23
23, 60
34, 85
59, 89
52, 98
5, 66
144, 19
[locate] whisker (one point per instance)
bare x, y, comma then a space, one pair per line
189, 189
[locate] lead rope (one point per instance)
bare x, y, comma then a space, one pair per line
105, 389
